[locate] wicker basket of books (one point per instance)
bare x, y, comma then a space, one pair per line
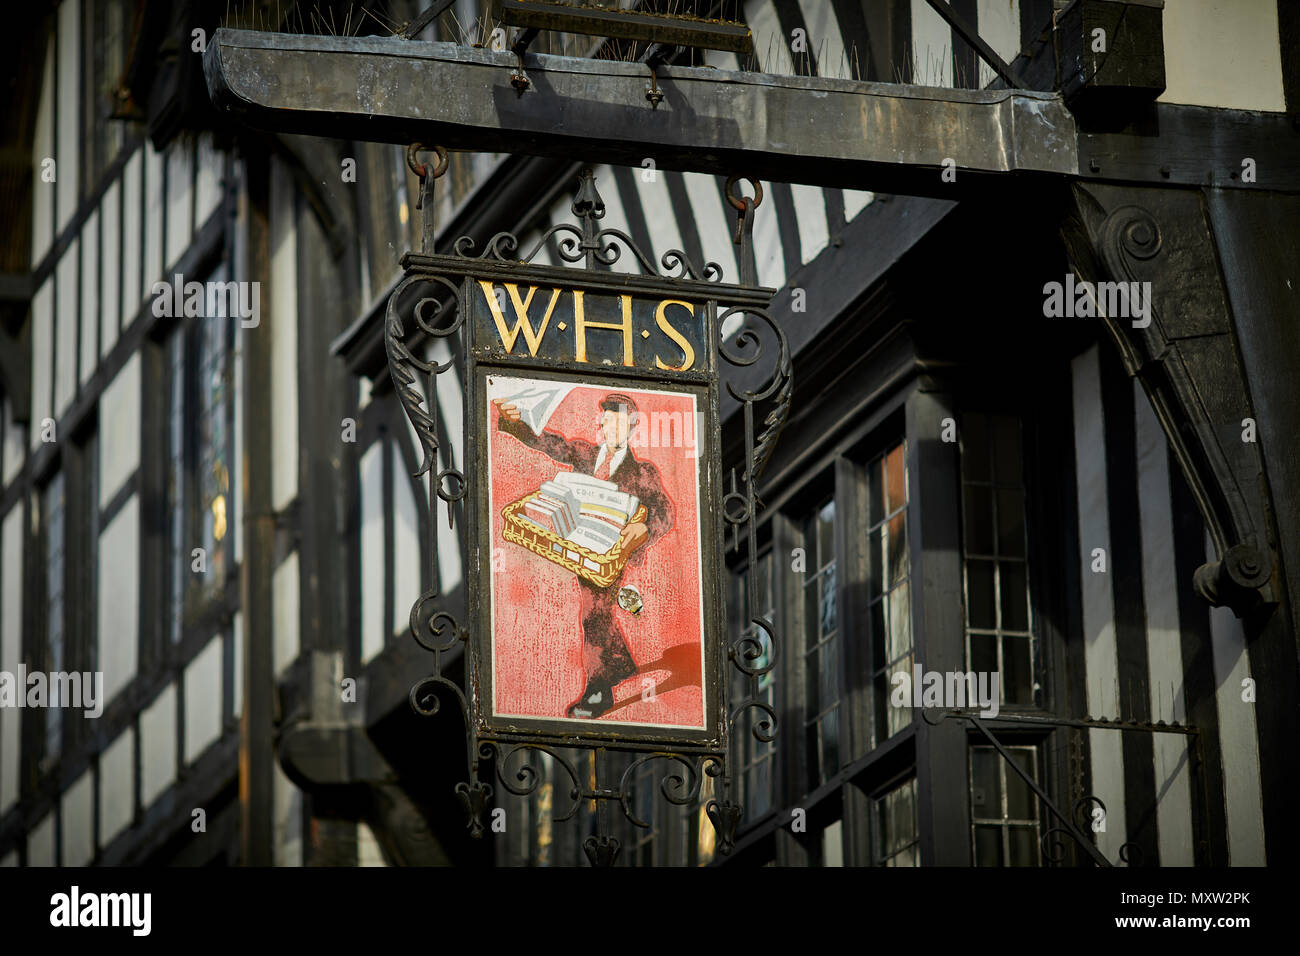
575, 521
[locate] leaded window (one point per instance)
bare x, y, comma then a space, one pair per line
214, 407
1004, 810
999, 638
895, 833
889, 591
199, 445
821, 647
111, 23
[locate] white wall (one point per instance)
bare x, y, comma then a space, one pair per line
67, 278
406, 546
373, 594
119, 430
180, 200
287, 823
132, 191
118, 631
280, 322
14, 450
158, 746
78, 821
203, 695
40, 843
89, 298
1238, 737
42, 357
1100, 655
285, 613
1223, 53
116, 787
111, 297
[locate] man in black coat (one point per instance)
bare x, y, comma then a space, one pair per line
605, 656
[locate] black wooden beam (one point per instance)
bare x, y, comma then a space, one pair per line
882, 136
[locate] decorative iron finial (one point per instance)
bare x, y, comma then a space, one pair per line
589, 207
602, 850
725, 816
587, 203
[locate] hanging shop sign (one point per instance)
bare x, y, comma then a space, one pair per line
593, 493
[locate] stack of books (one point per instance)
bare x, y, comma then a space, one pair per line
582, 510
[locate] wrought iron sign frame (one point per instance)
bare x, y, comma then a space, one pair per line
436, 299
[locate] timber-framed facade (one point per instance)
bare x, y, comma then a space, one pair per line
955, 460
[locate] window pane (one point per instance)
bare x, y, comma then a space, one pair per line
1006, 449
761, 788
997, 591
899, 717
979, 520
899, 640
827, 606
988, 846
876, 561
895, 826
825, 532
214, 448
833, 844
984, 653
879, 637
889, 593
875, 494
828, 685
763, 584
1005, 826
979, 594
1020, 799
1011, 522
897, 545
1024, 846
812, 674
975, 447
830, 743
1017, 675
1015, 596
986, 786
895, 480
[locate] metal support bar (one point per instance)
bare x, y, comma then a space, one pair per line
1091, 724
1066, 822
522, 40
416, 26
972, 36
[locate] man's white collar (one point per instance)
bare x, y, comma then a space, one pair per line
617, 460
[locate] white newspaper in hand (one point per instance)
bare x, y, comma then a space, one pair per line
538, 403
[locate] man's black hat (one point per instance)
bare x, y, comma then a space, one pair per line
617, 402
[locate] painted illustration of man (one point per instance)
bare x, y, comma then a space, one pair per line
606, 659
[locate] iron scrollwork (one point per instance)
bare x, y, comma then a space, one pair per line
429, 305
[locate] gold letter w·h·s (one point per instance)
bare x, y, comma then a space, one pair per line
522, 323
580, 332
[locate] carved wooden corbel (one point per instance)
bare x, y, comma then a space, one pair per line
1183, 348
